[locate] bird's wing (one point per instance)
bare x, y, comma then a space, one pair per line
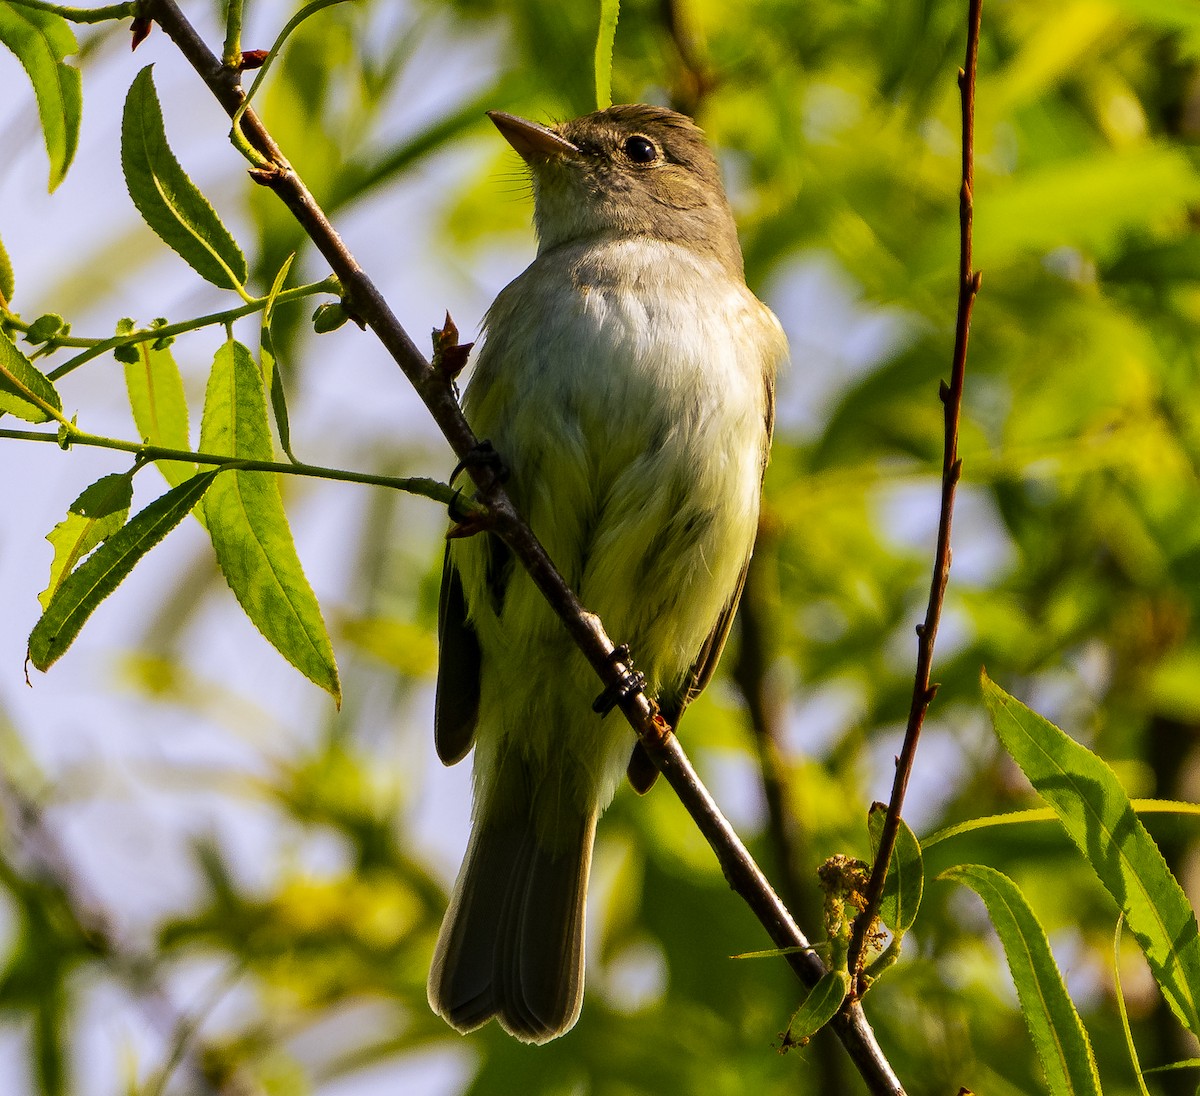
456, 708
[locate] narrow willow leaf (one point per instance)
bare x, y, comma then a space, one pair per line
41, 39
7, 282
24, 391
107, 567
771, 953
1098, 816
1141, 807
271, 364
605, 37
167, 199
159, 406
249, 528
1058, 1034
98, 513
905, 881
1119, 993
819, 1007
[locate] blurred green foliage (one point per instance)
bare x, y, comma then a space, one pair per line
838, 126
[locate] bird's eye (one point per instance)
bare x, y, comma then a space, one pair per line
641, 149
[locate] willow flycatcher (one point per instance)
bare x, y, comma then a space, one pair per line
626, 381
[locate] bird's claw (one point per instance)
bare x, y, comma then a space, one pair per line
483, 454
631, 681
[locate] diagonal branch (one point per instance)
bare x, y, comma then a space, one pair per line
436, 391
951, 396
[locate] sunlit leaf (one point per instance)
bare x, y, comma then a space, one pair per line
167, 199
24, 391
1058, 1033
159, 406
107, 567
7, 281
1046, 814
94, 516
41, 39
270, 365
605, 39
249, 527
1119, 994
1099, 818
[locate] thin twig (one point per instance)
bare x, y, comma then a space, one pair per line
413, 485
951, 396
437, 393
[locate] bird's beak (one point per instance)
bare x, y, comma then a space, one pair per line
531, 140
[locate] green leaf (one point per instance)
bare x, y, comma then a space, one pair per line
271, 365
98, 513
24, 391
45, 328
1044, 814
605, 37
41, 39
7, 283
1119, 994
819, 1007
905, 881
249, 528
167, 199
1183, 1063
329, 317
1058, 1034
106, 568
1099, 817
159, 406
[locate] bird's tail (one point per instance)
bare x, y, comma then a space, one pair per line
511, 944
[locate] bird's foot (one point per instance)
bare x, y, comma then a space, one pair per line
468, 521
631, 681
482, 455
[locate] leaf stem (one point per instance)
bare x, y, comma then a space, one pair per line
232, 55
96, 347
236, 136
413, 485
84, 15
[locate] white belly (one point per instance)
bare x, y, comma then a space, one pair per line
633, 417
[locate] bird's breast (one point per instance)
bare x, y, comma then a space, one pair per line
638, 341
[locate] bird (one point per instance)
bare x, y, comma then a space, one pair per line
625, 382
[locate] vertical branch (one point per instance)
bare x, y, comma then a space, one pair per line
951, 396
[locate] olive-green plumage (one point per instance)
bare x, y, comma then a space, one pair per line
626, 380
